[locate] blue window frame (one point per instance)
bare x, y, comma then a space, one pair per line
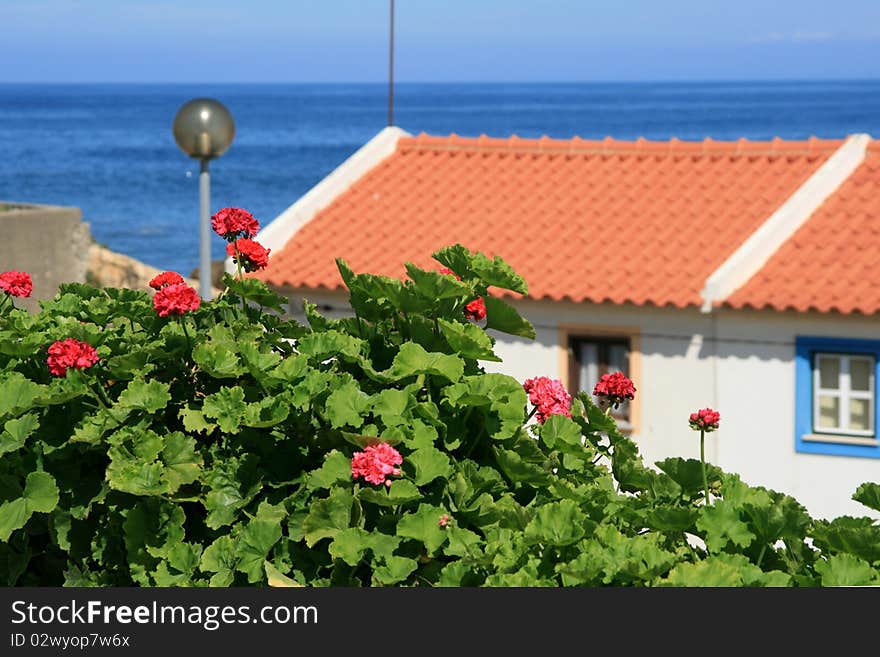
836, 396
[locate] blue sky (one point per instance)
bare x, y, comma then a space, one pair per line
437, 40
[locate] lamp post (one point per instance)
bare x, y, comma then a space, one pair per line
204, 129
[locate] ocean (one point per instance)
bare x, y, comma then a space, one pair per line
109, 150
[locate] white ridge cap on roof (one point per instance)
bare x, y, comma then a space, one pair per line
753, 253
278, 232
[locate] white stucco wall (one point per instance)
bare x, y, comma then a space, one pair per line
740, 363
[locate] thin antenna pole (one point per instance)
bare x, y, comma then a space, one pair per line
391, 68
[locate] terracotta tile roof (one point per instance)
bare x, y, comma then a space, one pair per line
831, 263
639, 222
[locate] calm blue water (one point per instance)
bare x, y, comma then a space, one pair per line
108, 149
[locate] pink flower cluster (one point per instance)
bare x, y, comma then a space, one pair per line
476, 309
16, 283
175, 298
549, 397
165, 278
376, 463
249, 254
616, 388
232, 223
64, 354
237, 226
704, 419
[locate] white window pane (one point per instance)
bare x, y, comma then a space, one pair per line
860, 373
617, 358
859, 415
829, 372
829, 412
589, 359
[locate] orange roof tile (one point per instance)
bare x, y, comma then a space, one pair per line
831, 263
639, 222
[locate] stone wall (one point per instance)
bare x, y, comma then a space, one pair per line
54, 246
49, 242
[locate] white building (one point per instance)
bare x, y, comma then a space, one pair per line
741, 276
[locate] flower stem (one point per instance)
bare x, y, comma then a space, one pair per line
101, 395
703, 463
186, 333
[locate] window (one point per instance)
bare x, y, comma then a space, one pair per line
843, 394
590, 358
835, 400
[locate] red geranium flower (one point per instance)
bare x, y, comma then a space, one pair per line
615, 388
375, 463
476, 310
64, 354
549, 397
704, 419
232, 223
176, 298
249, 254
165, 278
16, 283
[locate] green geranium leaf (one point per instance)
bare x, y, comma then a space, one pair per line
218, 360
17, 431
468, 340
503, 317
559, 431
395, 569
429, 463
254, 544
463, 543
722, 524
268, 412
688, 474
518, 470
227, 406
672, 519
401, 491
220, 558
336, 469
330, 344
424, 525
151, 530
869, 495
182, 463
194, 420
291, 369
349, 544
557, 523
18, 393
40, 496
232, 484
392, 405
436, 286
711, 572
857, 536
412, 359
146, 396
251, 289
847, 570
328, 517
346, 405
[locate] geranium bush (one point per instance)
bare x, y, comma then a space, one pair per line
218, 443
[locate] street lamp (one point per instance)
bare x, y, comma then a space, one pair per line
203, 128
